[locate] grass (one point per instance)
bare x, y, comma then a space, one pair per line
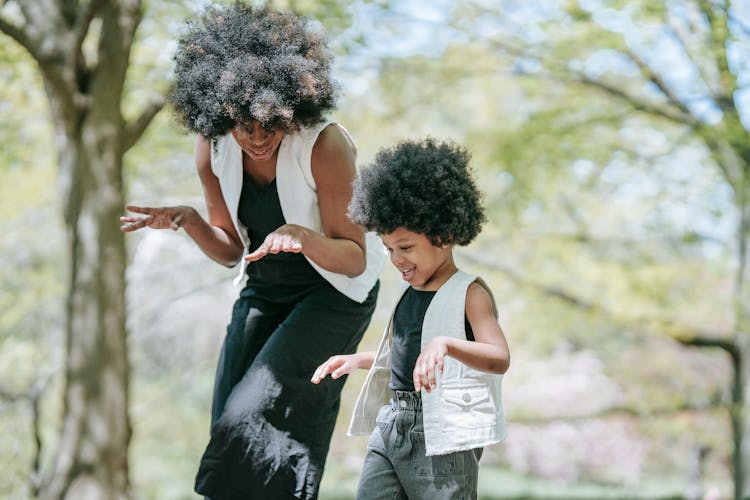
340, 482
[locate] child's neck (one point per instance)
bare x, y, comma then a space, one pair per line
439, 277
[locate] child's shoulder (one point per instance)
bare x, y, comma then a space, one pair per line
479, 297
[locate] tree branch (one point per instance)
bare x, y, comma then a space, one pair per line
18, 34
680, 333
657, 80
724, 344
564, 73
725, 156
83, 22
680, 35
719, 35
135, 128
636, 102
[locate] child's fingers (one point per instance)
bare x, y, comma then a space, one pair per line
431, 379
324, 369
319, 374
419, 378
439, 365
343, 369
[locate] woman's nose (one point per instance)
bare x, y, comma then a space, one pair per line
257, 131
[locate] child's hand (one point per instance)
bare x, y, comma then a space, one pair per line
430, 359
336, 366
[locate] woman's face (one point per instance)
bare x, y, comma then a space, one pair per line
257, 142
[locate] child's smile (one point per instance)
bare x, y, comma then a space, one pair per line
408, 273
421, 264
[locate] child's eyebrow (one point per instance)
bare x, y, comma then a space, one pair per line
399, 242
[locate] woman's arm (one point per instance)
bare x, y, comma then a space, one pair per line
488, 352
341, 246
217, 238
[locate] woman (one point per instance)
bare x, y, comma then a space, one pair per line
254, 83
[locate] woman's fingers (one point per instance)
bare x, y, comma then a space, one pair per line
176, 222
139, 210
256, 255
133, 223
275, 243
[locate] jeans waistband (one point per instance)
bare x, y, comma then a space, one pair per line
406, 400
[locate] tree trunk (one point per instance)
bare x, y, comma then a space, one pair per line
85, 92
741, 422
91, 461
740, 413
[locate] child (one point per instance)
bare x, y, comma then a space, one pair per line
434, 384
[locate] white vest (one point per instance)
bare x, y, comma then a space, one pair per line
298, 198
465, 410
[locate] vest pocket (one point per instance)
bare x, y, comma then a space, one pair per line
469, 407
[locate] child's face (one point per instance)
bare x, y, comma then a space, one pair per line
423, 265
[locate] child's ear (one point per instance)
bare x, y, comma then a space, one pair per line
445, 243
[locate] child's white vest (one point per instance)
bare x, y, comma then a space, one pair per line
465, 410
298, 198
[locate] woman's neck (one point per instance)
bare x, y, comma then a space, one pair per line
262, 172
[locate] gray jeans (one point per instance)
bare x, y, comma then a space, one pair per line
396, 466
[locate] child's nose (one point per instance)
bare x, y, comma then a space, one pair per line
396, 259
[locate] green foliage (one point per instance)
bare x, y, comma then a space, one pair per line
333, 14
605, 224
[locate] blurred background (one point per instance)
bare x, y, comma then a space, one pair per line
611, 143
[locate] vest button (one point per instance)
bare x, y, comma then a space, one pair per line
466, 397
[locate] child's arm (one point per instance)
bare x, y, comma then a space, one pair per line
343, 364
489, 352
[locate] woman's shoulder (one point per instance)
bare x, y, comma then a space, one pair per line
334, 139
323, 134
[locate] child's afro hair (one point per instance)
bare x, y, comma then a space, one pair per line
425, 187
240, 63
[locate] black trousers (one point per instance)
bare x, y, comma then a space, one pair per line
271, 427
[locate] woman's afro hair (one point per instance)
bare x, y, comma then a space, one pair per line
425, 187
239, 63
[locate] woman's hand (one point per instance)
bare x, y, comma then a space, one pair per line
429, 361
287, 238
155, 218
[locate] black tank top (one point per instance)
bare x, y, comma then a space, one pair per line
407, 336
260, 211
